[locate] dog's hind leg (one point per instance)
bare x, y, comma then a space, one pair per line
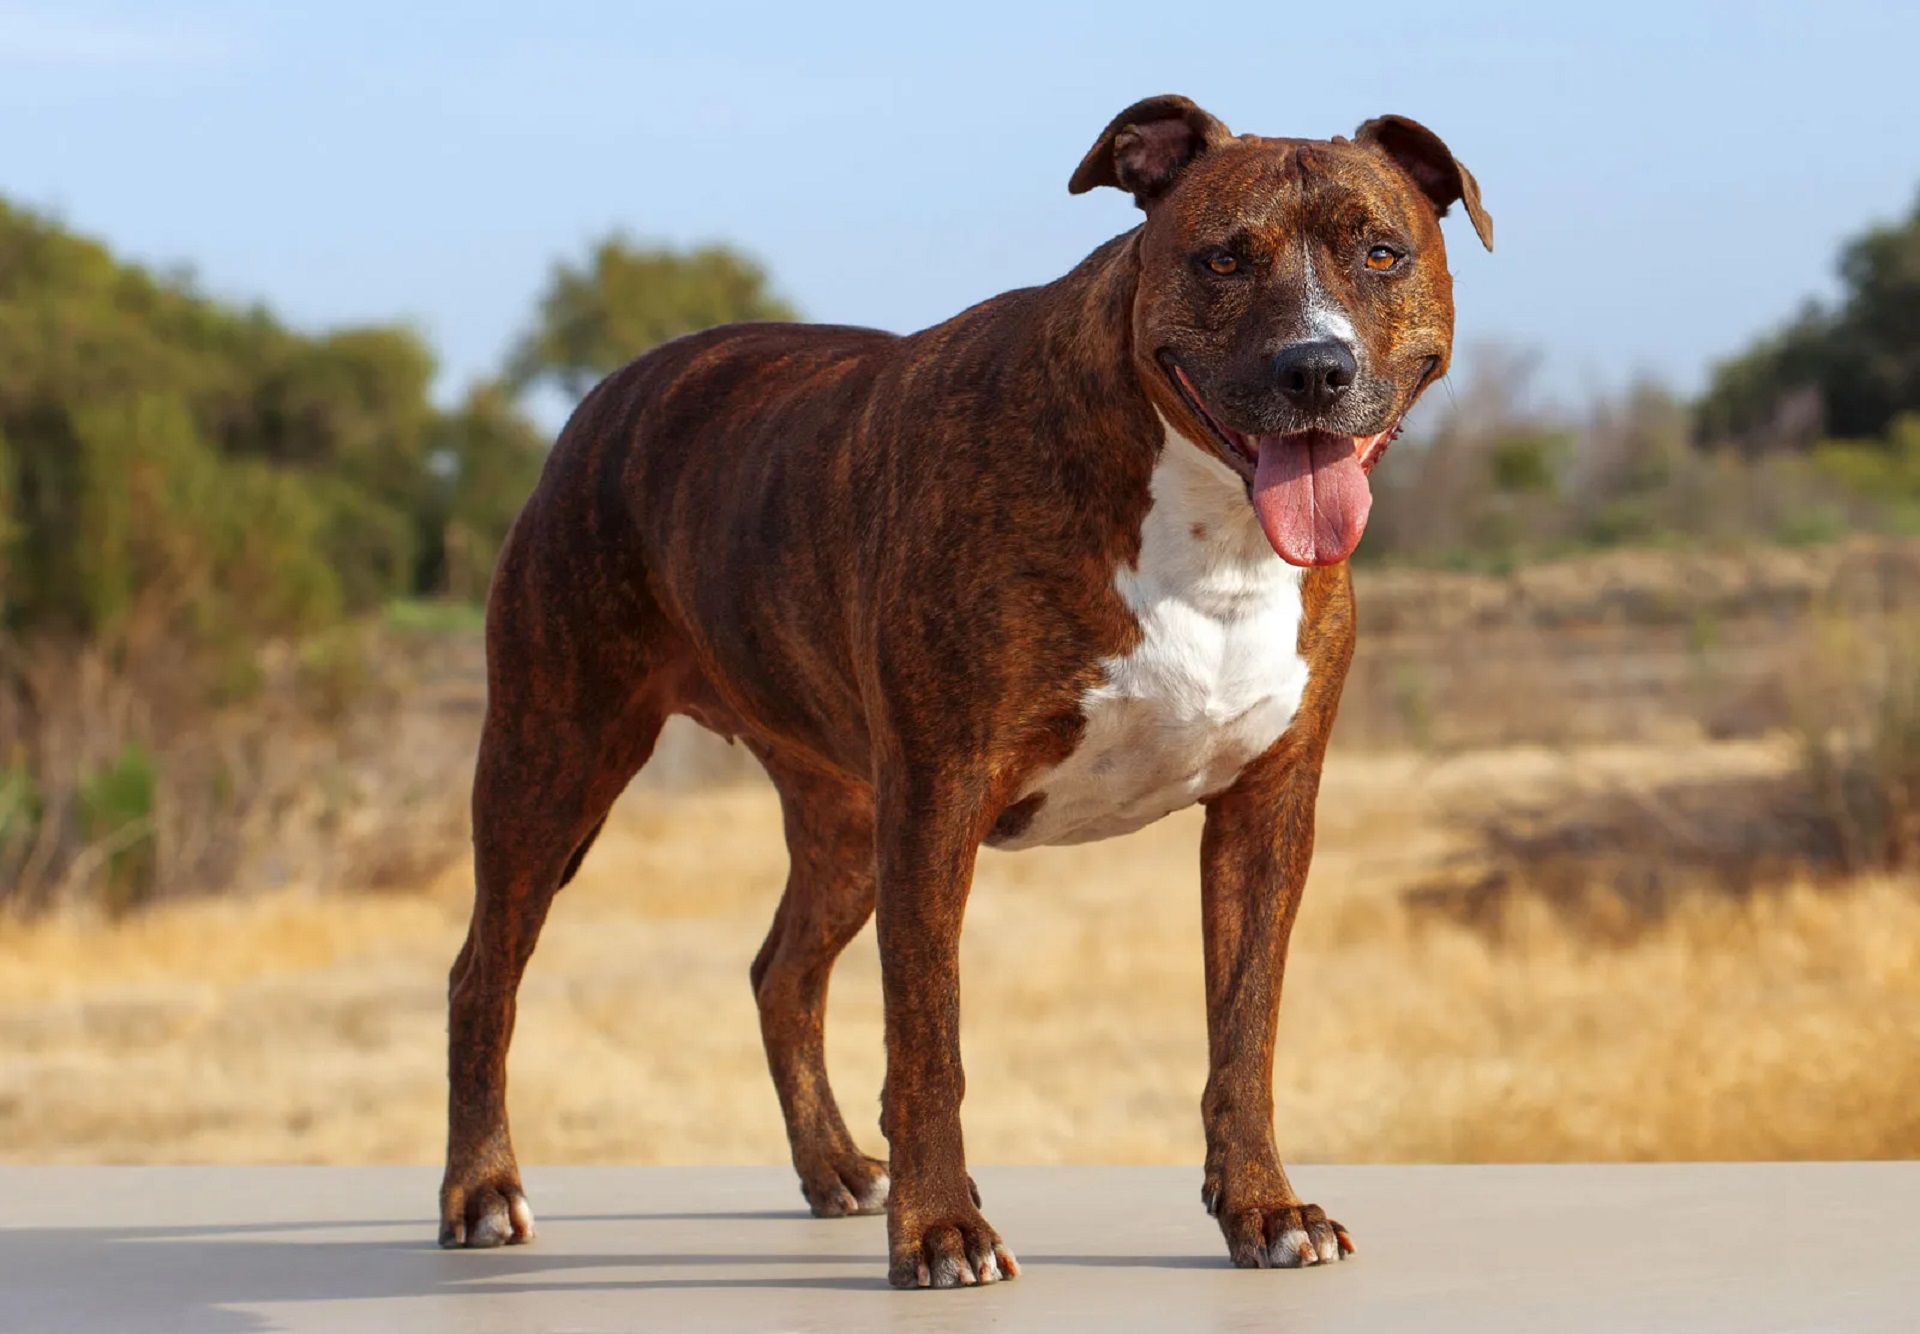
573, 710
829, 897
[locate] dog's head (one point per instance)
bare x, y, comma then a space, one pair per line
1293, 300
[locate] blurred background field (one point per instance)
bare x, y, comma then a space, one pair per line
1619, 848
1628, 890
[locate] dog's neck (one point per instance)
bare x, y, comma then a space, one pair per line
1088, 325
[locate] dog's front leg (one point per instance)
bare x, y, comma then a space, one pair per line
1254, 856
929, 835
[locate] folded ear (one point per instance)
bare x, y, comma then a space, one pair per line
1422, 156
1144, 149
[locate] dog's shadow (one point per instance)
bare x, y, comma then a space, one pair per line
227, 1279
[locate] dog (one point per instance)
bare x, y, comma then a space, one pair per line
1042, 574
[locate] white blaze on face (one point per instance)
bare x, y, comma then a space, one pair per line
1324, 316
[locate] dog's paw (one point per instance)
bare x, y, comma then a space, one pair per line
1285, 1236
852, 1185
486, 1215
958, 1252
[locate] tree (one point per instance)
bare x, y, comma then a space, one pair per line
1857, 364
183, 482
486, 458
627, 298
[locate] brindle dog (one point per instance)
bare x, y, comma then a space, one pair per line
1043, 573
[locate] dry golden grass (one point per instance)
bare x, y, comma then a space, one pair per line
310, 1028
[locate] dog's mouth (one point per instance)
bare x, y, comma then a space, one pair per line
1309, 488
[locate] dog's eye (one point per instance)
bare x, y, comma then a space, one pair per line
1381, 258
1222, 263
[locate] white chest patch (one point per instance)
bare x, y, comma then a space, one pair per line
1215, 680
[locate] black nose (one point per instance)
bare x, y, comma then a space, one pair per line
1315, 373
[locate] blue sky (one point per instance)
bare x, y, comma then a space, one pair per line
1668, 179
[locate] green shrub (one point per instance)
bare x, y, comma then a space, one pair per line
436, 616
20, 813
116, 810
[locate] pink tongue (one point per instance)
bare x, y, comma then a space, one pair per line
1311, 496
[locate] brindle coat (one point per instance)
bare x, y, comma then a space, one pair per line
887, 564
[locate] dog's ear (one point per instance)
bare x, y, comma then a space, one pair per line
1144, 149
1422, 156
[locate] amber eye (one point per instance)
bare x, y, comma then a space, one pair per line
1222, 263
1381, 258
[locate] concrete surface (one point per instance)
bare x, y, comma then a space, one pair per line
1827, 1247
